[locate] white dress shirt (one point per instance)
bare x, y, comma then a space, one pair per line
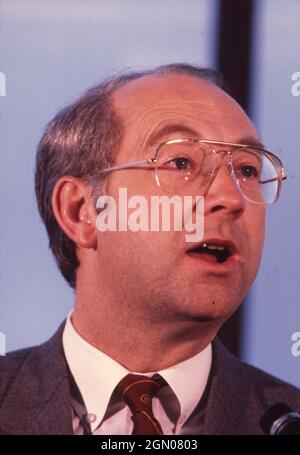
96, 376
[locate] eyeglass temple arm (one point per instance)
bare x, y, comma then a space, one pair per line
283, 177
127, 165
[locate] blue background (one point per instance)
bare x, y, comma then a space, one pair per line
50, 51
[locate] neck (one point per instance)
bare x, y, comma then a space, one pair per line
141, 345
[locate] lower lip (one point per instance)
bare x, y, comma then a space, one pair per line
219, 268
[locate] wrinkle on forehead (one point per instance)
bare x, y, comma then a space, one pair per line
201, 120
194, 111
146, 105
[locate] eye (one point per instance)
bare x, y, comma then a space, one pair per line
248, 172
180, 163
247, 165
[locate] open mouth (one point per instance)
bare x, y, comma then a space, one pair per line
212, 252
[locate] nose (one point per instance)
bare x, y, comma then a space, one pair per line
224, 194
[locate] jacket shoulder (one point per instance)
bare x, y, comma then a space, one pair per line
268, 385
34, 390
22, 361
247, 391
29, 365
240, 394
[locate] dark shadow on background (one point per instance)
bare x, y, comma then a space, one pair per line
235, 29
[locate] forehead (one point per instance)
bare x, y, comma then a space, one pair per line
151, 103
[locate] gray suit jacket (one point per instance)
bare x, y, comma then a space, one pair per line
35, 393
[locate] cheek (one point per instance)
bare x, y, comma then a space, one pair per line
140, 181
148, 253
257, 233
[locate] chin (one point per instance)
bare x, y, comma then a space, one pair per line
210, 309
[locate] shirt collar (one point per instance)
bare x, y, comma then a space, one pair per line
188, 380
96, 375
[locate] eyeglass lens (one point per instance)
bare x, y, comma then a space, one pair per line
186, 167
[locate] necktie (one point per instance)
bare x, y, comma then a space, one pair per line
137, 391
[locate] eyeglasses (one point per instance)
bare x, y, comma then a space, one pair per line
186, 166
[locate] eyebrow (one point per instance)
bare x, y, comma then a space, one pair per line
160, 134
250, 140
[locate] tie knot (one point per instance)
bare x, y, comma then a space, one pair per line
138, 390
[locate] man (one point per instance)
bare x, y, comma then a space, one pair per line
139, 354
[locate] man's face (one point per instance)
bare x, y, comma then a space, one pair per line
155, 273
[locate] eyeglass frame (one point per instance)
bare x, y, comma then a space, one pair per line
275, 159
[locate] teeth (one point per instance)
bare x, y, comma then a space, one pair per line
213, 247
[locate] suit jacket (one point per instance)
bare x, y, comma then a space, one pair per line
35, 393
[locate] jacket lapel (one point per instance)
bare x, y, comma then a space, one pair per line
228, 395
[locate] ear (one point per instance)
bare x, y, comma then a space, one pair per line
74, 211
